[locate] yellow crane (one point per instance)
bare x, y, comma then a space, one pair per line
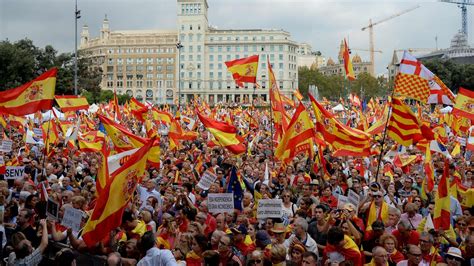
371, 33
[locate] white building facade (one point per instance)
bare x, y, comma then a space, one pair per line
202, 69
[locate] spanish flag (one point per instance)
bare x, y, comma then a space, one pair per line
298, 95
350, 251
464, 104
298, 137
347, 62
50, 134
244, 70
225, 134
161, 116
280, 117
441, 217
30, 97
71, 103
122, 138
111, 203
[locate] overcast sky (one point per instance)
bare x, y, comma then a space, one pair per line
321, 23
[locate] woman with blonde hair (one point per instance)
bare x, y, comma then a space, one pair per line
278, 255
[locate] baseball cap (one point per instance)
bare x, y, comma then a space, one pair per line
263, 237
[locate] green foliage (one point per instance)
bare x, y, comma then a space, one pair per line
335, 86
22, 61
452, 74
105, 96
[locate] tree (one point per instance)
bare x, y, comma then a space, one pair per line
454, 75
22, 61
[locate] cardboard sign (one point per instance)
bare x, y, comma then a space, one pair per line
6, 145
220, 202
206, 180
341, 201
52, 209
353, 198
72, 219
269, 208
38, 132
14, 172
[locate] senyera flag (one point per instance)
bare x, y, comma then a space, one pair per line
244, 70
71, 103
30, 97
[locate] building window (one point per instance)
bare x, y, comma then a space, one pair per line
149, 68
219, 75
139, 61
149, 83
237, 48
110, 84
149, 60
111, 61
228, 48
198, 57
190, 37
110, 68
228, 57
198, 37
199, 48
159, 68
149, 76
129, 83
211, 66
280, 48
169, 68
211, 57
219, 58
190, 48
211, 49
199, 75
198, 66
190, 74
219, 66
280, 65
119, 61
169, 76
139, 83
169, 84
139, 68
219, 48
280, 57
211, 75
119, 84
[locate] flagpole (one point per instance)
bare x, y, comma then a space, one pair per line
46, 146
384, 136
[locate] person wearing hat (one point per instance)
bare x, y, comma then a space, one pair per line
454, 257
295, 253
239, 233
279, 232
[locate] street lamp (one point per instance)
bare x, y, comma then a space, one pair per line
179, 46
77, 16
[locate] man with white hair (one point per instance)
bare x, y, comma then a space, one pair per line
300, 235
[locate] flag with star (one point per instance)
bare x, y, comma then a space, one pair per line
236, 188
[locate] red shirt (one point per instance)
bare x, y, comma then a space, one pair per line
413, 239
211, 224
331, 201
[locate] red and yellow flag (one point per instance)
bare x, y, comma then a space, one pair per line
50, 134
343, 140
225, 134
71, 103
347, 62
30, 97
464, 104
298, 138
404, 127
244, 70
111, 203
280, 117
442, 214
161, 116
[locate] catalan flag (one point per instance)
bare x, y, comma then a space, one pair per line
343, 140
111, 203
298, 138
464, 104
347, 62
30, 97
442, 214
225, 134
71, 103
244, 70
404, 127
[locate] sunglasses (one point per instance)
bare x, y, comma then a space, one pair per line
255, 261
462, 224
376, 196
453, 258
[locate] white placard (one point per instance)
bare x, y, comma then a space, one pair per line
353, 198
14, 172
2, 162
461, 141
38, 132
52, 209
269, 208
72, 219
341, 201
220, 202
207, 179
6, 145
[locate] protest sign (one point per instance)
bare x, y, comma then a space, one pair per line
72, 219
2, 162
220, 202
38, 132
341, 201
353, 198
6, 145
207, 179
14, 172
269, 208
52, 209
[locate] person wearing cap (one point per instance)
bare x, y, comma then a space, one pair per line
454, 257
300, 235
295, 253
240, 233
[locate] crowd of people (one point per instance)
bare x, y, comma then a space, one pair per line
168, 221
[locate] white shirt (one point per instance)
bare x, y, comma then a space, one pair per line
310, 244
158, 257
145, 194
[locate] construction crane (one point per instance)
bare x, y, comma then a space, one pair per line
364, 50
371, 33
462, 4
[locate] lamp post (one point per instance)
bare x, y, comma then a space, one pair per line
179, 46
77, 16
